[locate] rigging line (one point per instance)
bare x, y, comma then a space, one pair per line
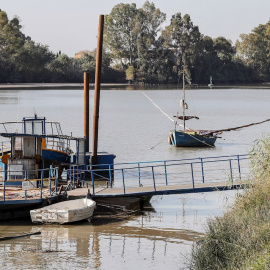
164, 112
248, 125
201, 141
159, 108
158, 144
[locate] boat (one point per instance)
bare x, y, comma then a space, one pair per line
188, 137
211, 83
64, 212
33, 154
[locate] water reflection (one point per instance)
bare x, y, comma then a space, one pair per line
162, 236
153, 239
87, 244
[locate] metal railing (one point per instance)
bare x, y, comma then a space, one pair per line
44, 186
194, 171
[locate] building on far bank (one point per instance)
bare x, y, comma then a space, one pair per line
80, 54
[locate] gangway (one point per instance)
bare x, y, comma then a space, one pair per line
164, 177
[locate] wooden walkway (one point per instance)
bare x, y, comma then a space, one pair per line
107, 192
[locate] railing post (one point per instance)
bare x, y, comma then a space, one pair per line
4, 191
93, 182
192, 175
50, 186
154, 182
110, 173
239, 169
55, 185
165, 169
124, 188
25, 192
73, 174
139, 174
202, 170
230, 161
42, 176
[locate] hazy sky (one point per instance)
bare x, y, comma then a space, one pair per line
71, 25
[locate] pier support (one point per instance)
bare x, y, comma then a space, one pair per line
97, 89
86, 110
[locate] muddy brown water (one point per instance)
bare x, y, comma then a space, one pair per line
160, 237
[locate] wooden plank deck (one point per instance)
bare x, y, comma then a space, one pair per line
162, 190
16, 194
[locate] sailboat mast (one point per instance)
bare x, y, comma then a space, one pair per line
184, 99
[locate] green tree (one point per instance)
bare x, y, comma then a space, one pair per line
254, 50
183, 38
11, 39
119, 32
148, 27
62, 69
30, 62
131, 37
130, 73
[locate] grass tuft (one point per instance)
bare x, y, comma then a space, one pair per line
241, 238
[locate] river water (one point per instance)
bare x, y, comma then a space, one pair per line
133, 129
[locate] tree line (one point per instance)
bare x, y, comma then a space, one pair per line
23, 60
139, 47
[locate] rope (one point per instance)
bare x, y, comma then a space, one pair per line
164, 112
252, 124
201, 141
175, 123
158, 144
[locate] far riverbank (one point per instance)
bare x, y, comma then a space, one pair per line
33, 86
123, 86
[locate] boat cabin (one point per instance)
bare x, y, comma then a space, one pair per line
36, 144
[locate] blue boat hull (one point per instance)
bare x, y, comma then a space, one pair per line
55, 155
182, 139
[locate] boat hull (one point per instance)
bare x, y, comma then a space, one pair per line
12, 209
183, 139
51, 154
64, 212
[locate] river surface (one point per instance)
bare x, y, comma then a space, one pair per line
133, 129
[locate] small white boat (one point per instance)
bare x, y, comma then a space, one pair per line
64, 212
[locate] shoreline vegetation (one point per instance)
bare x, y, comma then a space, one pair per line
139, 47
44, 86
241, 238
122, 86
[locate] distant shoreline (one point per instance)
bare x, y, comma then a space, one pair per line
36, 86
80, 86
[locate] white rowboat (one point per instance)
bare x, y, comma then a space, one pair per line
64, 212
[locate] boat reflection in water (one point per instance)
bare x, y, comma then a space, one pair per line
158, 237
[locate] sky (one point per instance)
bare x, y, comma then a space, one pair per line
70, 26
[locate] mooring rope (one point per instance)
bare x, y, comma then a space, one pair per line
248, 125
175, 123
158, 143
165, 113
200, 140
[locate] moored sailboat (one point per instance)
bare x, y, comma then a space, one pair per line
189, 137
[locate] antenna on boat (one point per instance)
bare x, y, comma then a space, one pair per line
184, 98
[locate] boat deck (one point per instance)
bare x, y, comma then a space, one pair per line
15, 194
